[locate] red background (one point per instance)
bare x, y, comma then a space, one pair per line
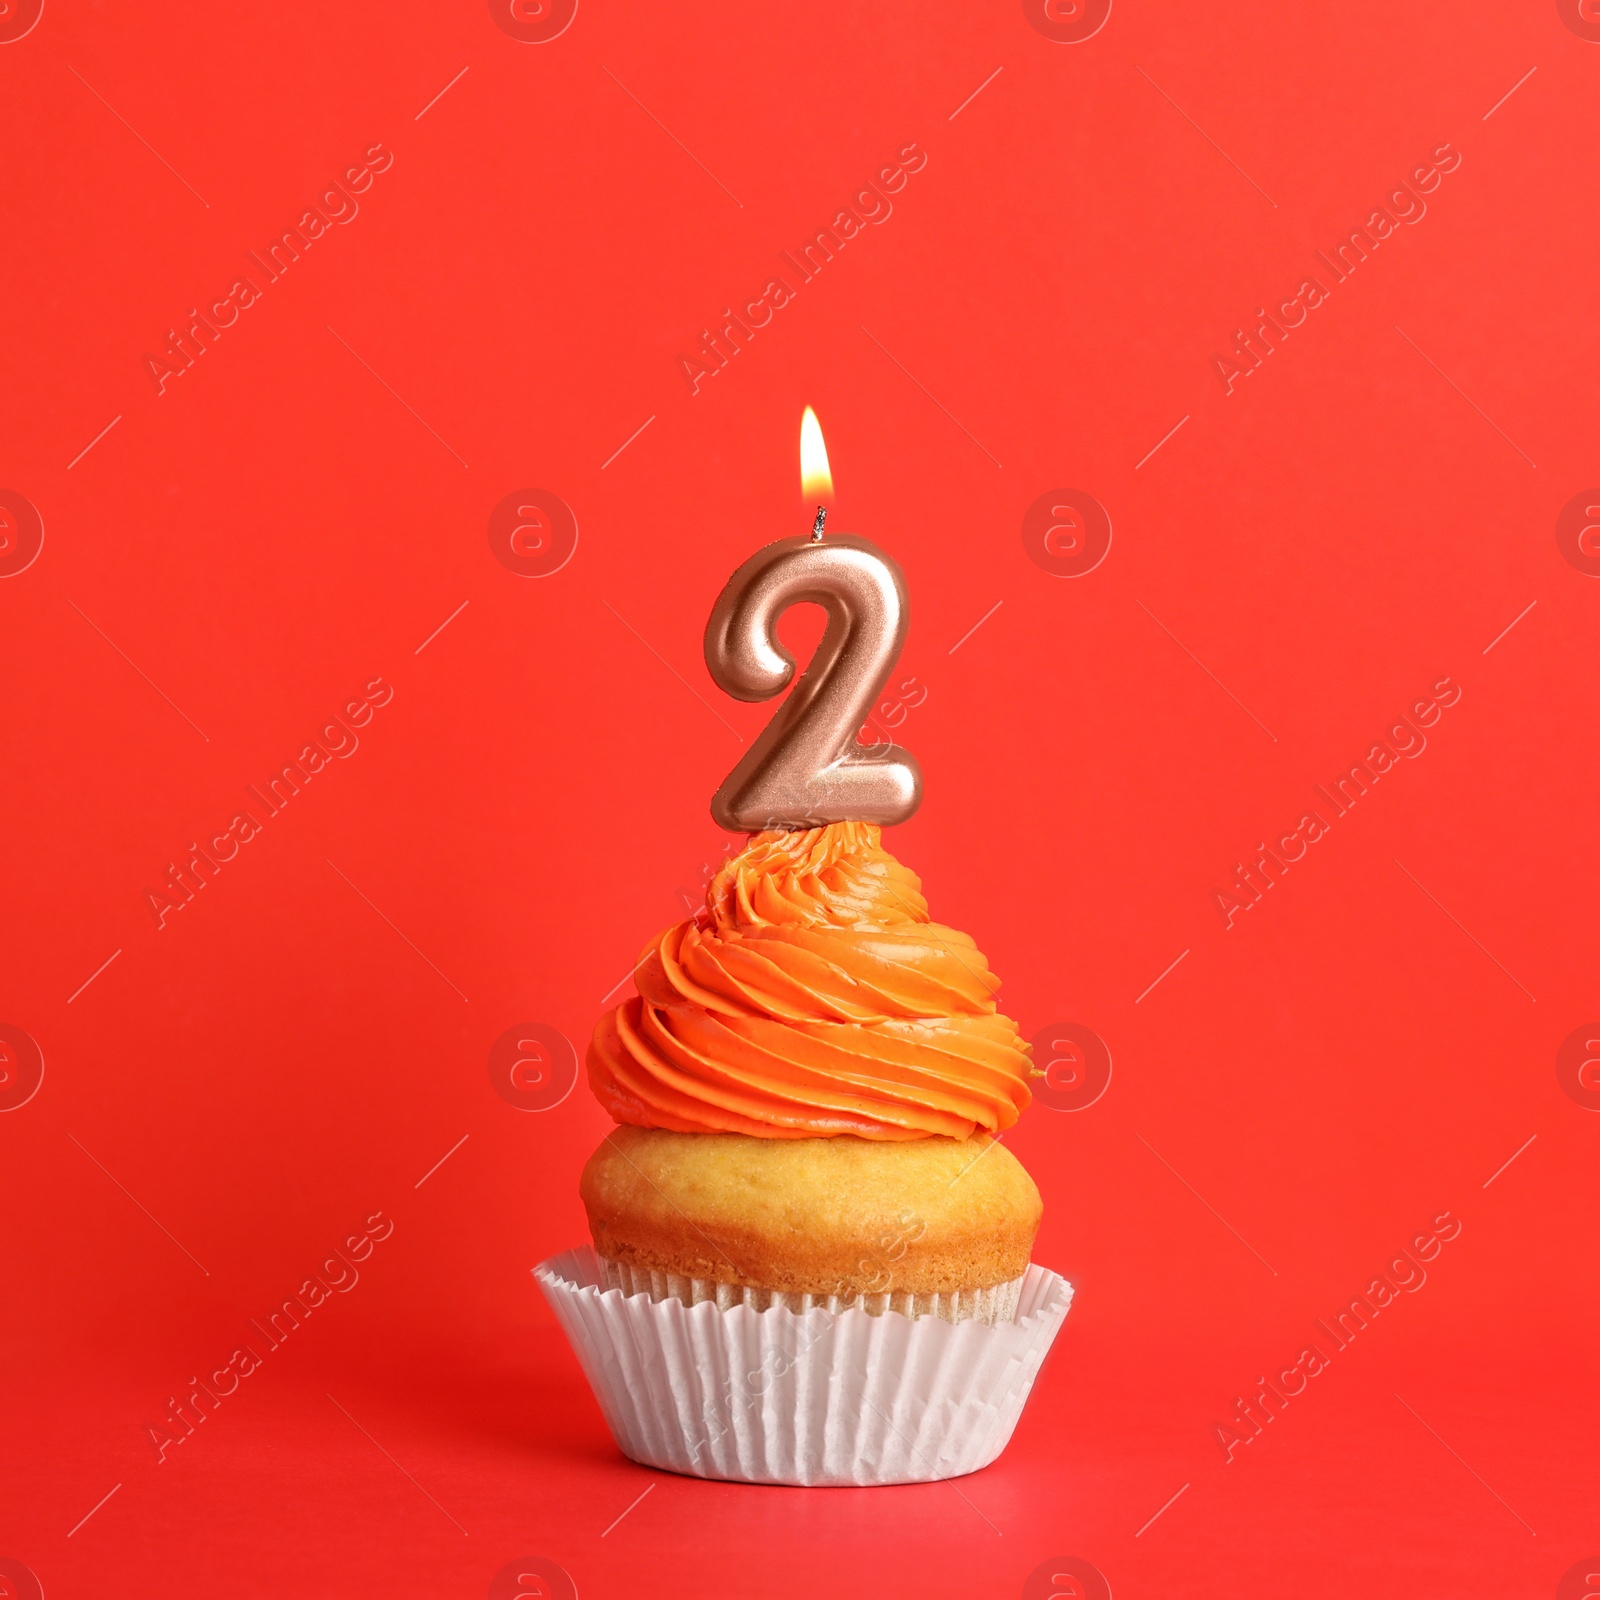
300, 512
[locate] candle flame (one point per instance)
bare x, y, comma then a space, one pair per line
816, 481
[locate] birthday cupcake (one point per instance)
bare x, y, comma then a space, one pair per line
811, 1251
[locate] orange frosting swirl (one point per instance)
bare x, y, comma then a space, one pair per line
812, 996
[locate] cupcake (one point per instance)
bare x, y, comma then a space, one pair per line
811, 1250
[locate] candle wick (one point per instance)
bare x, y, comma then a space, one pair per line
816, 527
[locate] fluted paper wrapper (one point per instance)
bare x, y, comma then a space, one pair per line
996, 1304
817, 1397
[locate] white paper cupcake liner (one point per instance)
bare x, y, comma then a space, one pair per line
814, 1397
995, 1305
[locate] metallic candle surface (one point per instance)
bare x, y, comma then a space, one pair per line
809, 766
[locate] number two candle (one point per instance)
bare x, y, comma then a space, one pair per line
809, 767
